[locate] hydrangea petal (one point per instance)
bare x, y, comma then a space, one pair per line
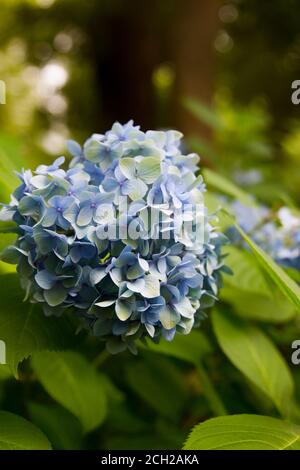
124, 309
92, 150
105, 303
74, 148
134, 272
56, 295
150, 329
45, 279
85, 216
127, 166
135, 189
185, 308
149, 169
50, 217
96, 275
169, 317
151, 288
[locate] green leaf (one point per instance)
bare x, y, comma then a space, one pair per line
61, 427
74, 383
18, 434
252, 352
223, 185
191, 348
286, 284
5, 372
204, 113
244, 432
158, 382
276, 309
122, 418
247, 273
23, 326
250, 292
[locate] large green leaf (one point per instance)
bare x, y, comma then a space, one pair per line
259, 307
158, 382
250, 290
23, 326
18, 434
252, 352
74, 383
247, 273
244, 432
285, 283
61, 427
5, 372
193, 348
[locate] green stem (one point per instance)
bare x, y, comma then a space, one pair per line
101, 358
215, 402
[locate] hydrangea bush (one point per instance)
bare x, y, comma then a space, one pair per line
124, 275
276, 232
120, 241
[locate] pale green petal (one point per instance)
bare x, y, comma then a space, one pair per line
92, 151
149, 169
169, 318
40, 181
134, 272
151, 288
124, 309
135, 189
185, 308
127, 167
150, 329
85, 216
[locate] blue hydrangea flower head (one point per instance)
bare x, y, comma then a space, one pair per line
278, 233
120, 237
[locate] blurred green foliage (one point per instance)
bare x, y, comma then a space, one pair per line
242, 148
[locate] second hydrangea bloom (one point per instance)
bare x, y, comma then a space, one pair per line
277, 232
72, 253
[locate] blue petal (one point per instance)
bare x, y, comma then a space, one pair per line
74, 148
55, 296
45, 279
50, 217
85, 216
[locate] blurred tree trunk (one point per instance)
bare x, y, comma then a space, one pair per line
193, 55
142, 35
125, 64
